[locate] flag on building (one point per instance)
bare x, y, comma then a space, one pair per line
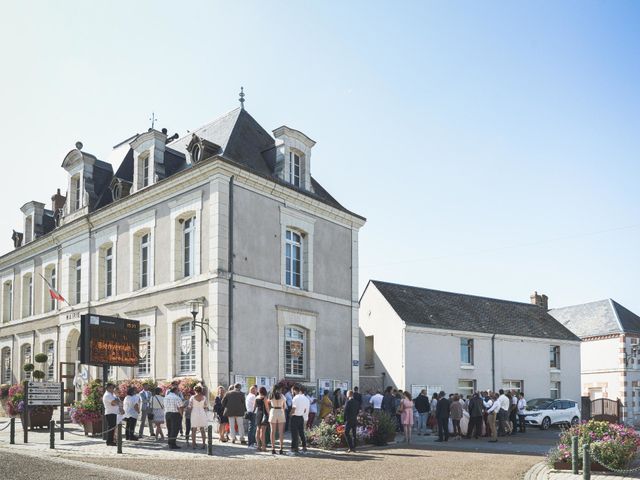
55, 294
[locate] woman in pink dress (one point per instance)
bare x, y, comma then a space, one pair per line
406, 416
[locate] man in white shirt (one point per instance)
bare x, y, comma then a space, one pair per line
376, 401
145, 399
250, 402
503, 413
111, 409
173, 408
131, 406
522, 411
313, 410
299, 410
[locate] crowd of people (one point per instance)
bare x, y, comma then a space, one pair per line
483, 414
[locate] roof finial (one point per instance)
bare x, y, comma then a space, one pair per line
153, 119
242, 98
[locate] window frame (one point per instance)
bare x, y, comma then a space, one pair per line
558, 389
294, 168
145, 171
77, 279
188, 246
49, 347
181, 358
554, 357
108, 271
53, 277
7, 301
469, 347
291, 245
23, 360
291, 370
471, 388
77, 192
146, 336
6, 373
145, 251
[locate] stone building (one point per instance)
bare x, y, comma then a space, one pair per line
229, 216
416, 338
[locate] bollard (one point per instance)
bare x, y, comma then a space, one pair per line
210, 440
52, 434
574, 454
586, 463
120, 438
12, 431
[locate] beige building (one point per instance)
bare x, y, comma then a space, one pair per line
227, 215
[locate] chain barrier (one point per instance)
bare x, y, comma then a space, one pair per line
97, 434
6, 425
616, 470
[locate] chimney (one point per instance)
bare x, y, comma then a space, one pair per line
540, 300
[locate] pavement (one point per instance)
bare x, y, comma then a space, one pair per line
541, 471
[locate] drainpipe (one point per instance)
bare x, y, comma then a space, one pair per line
230, 279
493, 362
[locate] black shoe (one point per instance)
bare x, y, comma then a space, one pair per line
493, 441
273, 451
439, 440
112, 444
174, 447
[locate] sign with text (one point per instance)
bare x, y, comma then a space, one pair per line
44, 393
109, 341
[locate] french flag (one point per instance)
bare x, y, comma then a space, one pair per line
55, 294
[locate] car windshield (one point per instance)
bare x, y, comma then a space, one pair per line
539, 403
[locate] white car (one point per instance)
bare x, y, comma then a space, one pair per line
544, 412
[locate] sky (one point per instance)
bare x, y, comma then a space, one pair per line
492, 146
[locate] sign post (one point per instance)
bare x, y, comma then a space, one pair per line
61, 411
25, 427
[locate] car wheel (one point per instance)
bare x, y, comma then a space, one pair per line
575, 421
546, 423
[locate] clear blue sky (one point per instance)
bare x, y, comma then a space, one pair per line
493, 147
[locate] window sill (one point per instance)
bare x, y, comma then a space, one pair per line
555, 370
467, 367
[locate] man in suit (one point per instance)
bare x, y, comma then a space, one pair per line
475, 416
351, 409
442, 415
357, 396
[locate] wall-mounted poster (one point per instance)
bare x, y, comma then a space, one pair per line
344, 386
416, 389
325, 384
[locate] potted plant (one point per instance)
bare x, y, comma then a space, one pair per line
39, 416
40, 358
4, 397
88, 411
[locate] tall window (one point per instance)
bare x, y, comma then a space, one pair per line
189, 228
144, 363
144, 260
554, 391
186, 348
294, 351
27, 295
145, 171
554, 356
7, 301
49, 349
78, 280
52, 281
25, 359
293, 254
108, 272
466, 387
294, 169
76, 193
28, 229
6, 365
466, 351
368, 351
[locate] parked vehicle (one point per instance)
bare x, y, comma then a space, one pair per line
544, 412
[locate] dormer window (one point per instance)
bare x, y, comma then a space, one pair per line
117, 192
77, 192
293, 169
144, 163
28, 229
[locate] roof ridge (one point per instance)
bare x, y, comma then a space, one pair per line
615, 314
581, 304
217, 119
457, 293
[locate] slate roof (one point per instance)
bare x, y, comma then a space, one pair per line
604, 317
456, 311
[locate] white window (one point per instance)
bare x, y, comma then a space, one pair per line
145, 171
294, 352
76, 193
516, 385
466, 387
108, 272
186, 348
25, 358
466, 351
293, 169
50, 368
554, 356
293, 259
7, 301
144, 260
77, 280
28, 229
144, 363
188, 246
554, 390
51, 276
27, 295
6, 365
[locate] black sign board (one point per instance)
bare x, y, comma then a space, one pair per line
109, 341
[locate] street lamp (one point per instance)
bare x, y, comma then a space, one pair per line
194, 306
629, 356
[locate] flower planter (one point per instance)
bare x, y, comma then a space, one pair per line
93, 428
38, 418
595, 466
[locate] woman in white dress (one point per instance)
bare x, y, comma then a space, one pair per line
199, 407
157, 405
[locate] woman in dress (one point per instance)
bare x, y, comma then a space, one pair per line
261, 410
277, 419
199, 407
157, 405
432, 418
222, 420
406, 415
326, 405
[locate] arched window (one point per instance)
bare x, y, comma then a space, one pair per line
294, 352
6, 365
144, 363
7, 301
25, 358
50, 369
76, 194
185, 348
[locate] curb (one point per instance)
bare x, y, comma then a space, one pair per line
540, 471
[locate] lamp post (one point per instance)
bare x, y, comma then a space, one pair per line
629, 356
203, 323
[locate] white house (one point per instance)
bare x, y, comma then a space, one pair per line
610, 349
228, 215
416, 338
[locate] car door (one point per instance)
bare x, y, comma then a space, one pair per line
555, 412
565, 412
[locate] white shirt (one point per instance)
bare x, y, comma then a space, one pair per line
250, 402
376, 401
503, 400
130, 403
109, 409
495, 407
487, 403
301, 404
313, 405
522, 406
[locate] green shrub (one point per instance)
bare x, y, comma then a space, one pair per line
38, 374
28, 367
384, 430
41, 357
